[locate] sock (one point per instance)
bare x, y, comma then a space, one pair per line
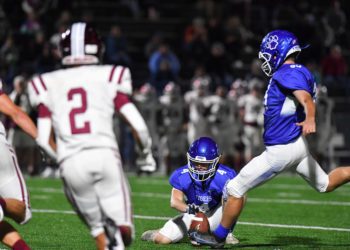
20, 245
3, 203
221, 232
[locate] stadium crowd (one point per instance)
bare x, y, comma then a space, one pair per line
208, 84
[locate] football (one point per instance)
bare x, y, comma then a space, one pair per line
200, 223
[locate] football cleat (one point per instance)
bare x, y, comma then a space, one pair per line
231, 239
206, 239
149, 235
114, 239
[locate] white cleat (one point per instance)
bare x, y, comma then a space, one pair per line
149, 235
231, 239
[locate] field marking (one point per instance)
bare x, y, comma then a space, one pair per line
265, 186
250, 199
239, 222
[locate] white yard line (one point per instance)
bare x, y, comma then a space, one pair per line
240, 222
250, 199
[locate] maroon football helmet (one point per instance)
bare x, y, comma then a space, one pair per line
80, 44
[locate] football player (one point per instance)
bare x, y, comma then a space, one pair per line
197, 186
173, 141
80, 101
14, 199
289, 117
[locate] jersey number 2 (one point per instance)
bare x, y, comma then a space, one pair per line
76, 93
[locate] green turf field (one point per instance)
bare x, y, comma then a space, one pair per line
285, 213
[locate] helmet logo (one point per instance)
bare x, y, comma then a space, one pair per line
272, 42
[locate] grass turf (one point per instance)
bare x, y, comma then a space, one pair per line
278, 215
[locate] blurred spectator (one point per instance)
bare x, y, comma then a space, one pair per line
173, 142
251, 113
153, 44
334, 70
116, 47
31, 25
234, 37
196, 108
336, 18
164, 67
196, 44
221, 121
9, 58
319, 142
208, 8
219, 66
23, 144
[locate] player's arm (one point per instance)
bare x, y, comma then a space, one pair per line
45, 136
305, 99
177, 200
18, 116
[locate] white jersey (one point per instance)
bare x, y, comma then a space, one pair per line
82, 104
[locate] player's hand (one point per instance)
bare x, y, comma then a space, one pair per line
146, 162
192, 209
308, 126
45, 158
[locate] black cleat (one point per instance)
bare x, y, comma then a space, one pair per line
207, 240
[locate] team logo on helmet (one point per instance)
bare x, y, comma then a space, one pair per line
272, 42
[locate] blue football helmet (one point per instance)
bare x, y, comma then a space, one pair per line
275, 47
203, 156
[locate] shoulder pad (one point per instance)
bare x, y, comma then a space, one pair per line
37, 91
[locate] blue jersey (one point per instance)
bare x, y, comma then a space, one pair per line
207, 192
282, 109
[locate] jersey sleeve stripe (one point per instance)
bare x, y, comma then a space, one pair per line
34, 87
43, 111
112, 73
121, 75
120, 100
42, 83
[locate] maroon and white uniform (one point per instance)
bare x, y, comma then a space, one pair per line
12, 184
81, 102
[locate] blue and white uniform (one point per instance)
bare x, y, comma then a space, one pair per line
206, 194
282, 110
202, 193
286, 148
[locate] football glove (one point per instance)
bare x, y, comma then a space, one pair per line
146, 162
192, 209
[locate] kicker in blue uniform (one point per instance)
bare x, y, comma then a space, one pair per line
289, 116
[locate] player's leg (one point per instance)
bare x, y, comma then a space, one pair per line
214, 219
338, 177
260, 169
174, 230
113, 191
14, 201
312, 172
77, 174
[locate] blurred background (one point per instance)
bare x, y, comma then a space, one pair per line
194, 66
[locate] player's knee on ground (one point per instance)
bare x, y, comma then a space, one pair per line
175, 229
161, 239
